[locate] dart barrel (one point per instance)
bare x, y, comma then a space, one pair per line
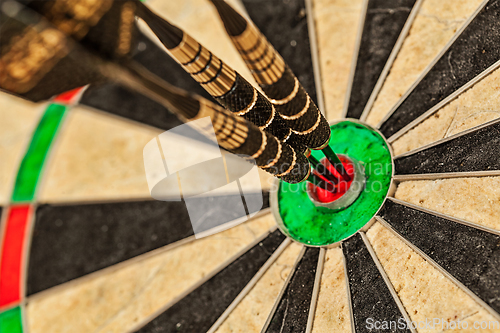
275, 78
246, 101
233, 133
222, 82
107, 26
37, 61
239, 136
283, 88
40, 62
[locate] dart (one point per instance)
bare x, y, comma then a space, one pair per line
279, 83
322, 169
335, 161
226, 85
233, 132
222, 82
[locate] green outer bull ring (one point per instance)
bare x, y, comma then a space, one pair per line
298, 217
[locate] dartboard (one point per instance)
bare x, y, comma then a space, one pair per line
85, 247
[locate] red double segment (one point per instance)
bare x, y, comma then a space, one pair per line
13, 255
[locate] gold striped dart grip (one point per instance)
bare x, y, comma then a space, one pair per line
222, 82
275, 78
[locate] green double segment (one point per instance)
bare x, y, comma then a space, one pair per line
11, 321
32, 164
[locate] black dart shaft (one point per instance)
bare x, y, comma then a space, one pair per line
321, 183
278, 82
322, 170
336, 162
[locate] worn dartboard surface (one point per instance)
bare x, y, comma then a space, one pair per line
84, 247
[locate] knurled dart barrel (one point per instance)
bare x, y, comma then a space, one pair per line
222, 82
277, 80
239, 136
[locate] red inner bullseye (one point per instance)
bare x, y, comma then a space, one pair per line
325, 196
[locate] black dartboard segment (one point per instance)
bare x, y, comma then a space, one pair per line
293, 309
471, 53
199, 310
74, 240
370, 297
131, 105
71, 241
470, 255
383, 25
284, 23
114, 99
474, 151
